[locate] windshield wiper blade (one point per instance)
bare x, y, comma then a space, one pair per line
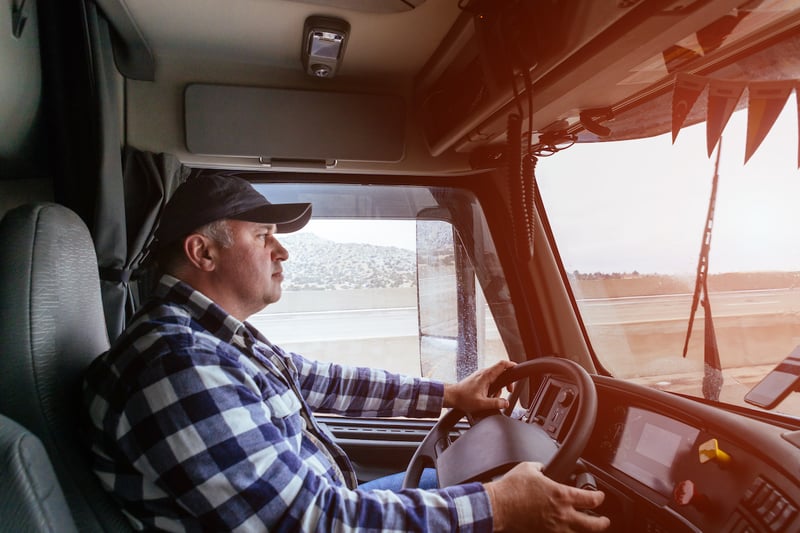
712, 368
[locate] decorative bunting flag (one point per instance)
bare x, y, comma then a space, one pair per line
723, 96
687, 89
766, 101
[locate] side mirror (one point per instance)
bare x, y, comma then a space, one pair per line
451, 310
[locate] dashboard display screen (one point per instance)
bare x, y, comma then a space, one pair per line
650, 445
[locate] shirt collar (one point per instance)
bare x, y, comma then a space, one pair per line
200, 307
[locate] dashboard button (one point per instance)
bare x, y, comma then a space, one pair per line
686, 493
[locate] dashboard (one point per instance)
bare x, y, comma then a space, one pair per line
668, 463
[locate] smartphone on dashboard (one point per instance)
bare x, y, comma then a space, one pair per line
778, 384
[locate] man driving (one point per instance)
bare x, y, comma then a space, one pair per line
198, 422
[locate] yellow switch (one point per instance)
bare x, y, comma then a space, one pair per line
709, 451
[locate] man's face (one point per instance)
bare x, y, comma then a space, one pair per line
251, 269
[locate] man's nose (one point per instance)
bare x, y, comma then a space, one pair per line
280, 253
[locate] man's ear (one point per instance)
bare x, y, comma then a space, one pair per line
198, 250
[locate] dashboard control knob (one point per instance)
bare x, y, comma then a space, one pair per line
566, 397
685, 493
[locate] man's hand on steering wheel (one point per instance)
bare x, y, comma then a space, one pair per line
532, 494
525, 500
471, 394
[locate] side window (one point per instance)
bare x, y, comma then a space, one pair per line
394, 294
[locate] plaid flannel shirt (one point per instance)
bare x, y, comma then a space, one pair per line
198, 423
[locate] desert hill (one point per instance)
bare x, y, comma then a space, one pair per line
320, 264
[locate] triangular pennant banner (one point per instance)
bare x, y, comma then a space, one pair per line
687, 89
723, 96
766, 100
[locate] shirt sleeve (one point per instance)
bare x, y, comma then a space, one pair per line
360, 391
227, 446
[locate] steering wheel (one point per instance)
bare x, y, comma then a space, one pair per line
495, 443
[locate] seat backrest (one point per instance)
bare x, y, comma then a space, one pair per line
30, 496
51, 327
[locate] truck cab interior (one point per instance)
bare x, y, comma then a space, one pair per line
531, 180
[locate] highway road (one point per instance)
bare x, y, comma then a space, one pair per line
607, 311
337, 325
650, 355
402, 321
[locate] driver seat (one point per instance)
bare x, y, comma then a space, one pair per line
51, 327
30, 496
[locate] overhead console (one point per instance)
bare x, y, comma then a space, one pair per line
470, 75
552, 55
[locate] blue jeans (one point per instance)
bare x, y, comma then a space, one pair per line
394, 482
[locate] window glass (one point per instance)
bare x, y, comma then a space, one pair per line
349, 295
398, 294
629, 219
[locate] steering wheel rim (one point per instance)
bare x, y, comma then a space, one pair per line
562, 463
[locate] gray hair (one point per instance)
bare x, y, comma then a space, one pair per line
170, 258
219, 231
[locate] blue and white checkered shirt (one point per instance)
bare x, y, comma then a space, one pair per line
198, 423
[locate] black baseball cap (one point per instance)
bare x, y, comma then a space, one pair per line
206, 198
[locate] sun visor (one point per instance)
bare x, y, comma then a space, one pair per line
291, 124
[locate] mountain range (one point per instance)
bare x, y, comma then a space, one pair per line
316, 263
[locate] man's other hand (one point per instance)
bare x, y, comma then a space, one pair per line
526, 500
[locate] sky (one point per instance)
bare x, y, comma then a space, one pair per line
642, 205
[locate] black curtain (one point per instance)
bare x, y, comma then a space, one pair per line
148, 180
132, 189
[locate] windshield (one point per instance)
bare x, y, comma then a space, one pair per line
629, 219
